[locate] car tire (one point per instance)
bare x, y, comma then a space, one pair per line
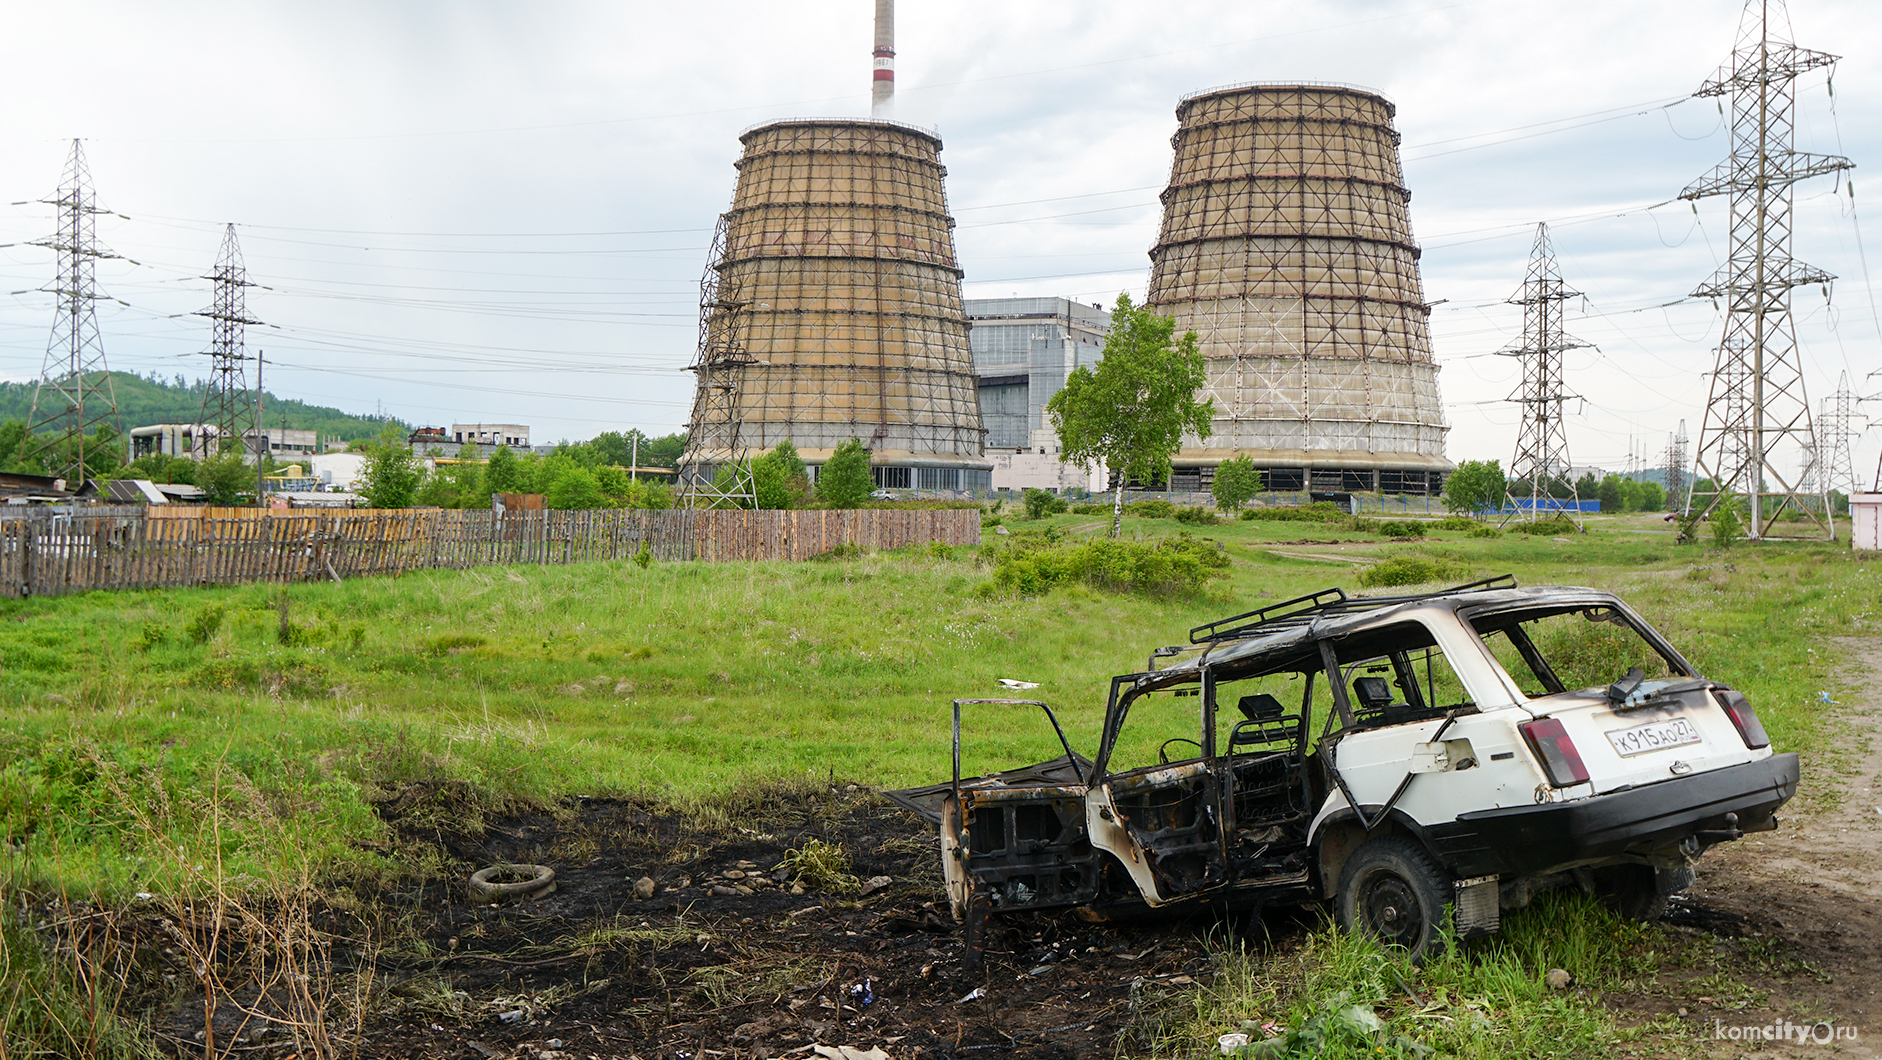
1392, 890
1637, 892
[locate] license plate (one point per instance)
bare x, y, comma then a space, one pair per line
1653, 737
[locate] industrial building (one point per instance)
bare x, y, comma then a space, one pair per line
832, 309
1024, 348
1286, 245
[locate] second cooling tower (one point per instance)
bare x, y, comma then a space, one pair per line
1287, 247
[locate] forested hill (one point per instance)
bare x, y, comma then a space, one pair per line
145, 400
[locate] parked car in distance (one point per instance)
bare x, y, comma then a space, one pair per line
1404, 758
883, 495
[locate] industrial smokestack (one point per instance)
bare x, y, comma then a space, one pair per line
882, 90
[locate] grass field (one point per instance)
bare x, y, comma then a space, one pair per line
121, 713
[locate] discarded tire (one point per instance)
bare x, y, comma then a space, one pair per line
499, 883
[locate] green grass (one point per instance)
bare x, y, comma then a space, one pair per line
514, 686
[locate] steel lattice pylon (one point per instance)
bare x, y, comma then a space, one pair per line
228, 406
1838, 411
1676, 468
1757, 406
75, 395
712, 438
1542, 442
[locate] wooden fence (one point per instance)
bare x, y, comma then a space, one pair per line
52, 552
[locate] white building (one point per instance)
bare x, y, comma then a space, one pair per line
514, 435
173, 439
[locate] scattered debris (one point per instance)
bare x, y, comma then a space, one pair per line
643, 888
973, 995
502, 882
1014, 684
1558, 979
874, 884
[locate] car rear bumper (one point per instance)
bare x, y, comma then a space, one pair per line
1524, 840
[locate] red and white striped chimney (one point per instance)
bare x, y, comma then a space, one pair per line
882, 89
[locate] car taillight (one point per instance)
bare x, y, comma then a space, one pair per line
1551, 743
1738, 708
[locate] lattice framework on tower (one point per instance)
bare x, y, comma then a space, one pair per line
228, 403
713, 435
848, 306
75, 396
1541, 457
1758, 410
1286, 246
1835, 433
1676, 467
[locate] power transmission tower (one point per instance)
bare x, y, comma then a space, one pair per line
1834, 417
712, 438
1757, 404
227, 404
1676, 468
75, 396
1542, 441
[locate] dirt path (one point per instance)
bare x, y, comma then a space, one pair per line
1804, 904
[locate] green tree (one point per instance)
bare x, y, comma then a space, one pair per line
1652, 496
796, 474
226, 478
1586, 487
504, 473
1132, 410
1610, 493
575, 487
1236, 481
1476, 487
392, 474
844, 481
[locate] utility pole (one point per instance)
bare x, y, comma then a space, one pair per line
74, 396
226, 404
1757, 403
1542, 441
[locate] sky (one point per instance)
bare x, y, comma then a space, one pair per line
463, 211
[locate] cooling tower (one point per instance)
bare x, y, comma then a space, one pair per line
1287, 248
837, 311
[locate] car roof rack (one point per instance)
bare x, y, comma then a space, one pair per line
1332, 601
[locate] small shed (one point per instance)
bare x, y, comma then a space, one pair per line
1865, 516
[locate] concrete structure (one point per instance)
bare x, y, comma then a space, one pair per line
1865, 517
1023, 350
831, 309
284, 444
1286, 246
514, 435
337, 471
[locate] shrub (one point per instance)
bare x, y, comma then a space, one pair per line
1177, 566
1157, 509
1402, 528
1552, 527
205, 623
1410, 570
1460, 523
1196, 516
1485, 531
1040, 504
1091, 509
1317, 512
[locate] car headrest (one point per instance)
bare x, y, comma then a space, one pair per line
1372, 691
1259, 706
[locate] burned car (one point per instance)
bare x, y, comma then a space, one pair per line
1407, 758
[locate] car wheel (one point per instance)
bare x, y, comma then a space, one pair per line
1634, 891
1391, 890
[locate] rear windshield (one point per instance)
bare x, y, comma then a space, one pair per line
1569, 648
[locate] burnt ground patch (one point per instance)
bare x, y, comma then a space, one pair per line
719, 958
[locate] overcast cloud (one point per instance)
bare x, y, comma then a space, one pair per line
479, 211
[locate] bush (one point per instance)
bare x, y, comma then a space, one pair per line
1485, 531
1040, 504
1196, 516
1410, 570
1178, 566
1554, 527
1317, 512
1091, 509
1402, 528
1151, 509
1460, 523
